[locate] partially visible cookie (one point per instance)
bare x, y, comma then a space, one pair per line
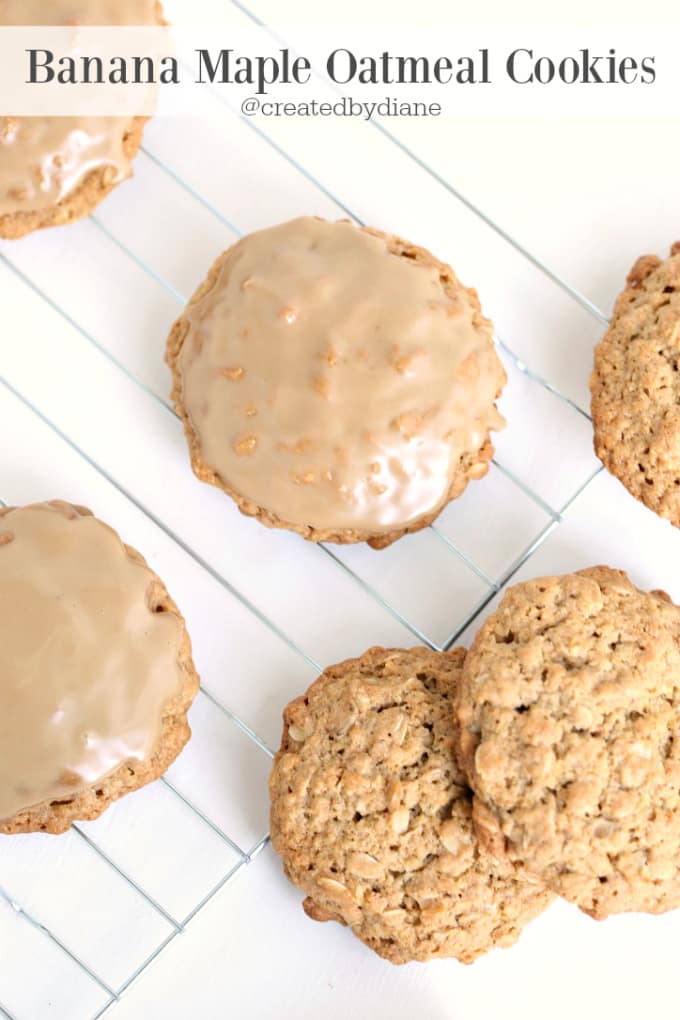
373, 818
55, 170
96, 674
336, 381
569, 716
635, 386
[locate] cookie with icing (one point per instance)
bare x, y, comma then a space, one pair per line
96, 673
54, 170
336, 381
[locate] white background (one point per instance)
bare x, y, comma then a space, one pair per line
83, 416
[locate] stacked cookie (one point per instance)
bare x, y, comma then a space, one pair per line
436, 802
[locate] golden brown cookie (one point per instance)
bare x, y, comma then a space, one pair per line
373, 818
336, 381
96, 674
636, 386
54, 170
569, 716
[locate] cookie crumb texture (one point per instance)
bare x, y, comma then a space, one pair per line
336, 381
569, 715
373, 818
96, 674
55, 170
636, 386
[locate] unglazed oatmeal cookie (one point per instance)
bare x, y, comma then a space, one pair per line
96, 675
636, 386
54, 170
373, 818
569, 715
336, 381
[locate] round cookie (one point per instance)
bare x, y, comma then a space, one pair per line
54, 170
96, 674
569, 732
635, 386
373, 818
336, 381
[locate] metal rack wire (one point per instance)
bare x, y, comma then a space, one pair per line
492, 585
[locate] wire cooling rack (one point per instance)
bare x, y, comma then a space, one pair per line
83, 398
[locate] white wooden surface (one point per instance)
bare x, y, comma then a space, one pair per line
84, 416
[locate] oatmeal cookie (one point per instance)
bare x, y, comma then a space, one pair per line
569, 733
636, 386
373, 818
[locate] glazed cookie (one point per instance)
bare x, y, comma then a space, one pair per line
373, 818
54, 170
96, 675
636, 386
569, 715
336, 381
